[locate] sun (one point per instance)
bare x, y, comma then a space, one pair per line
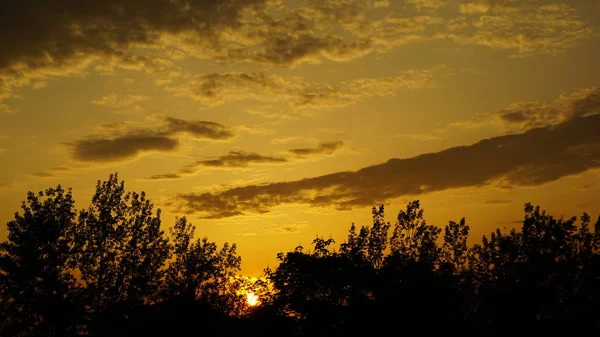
252, 299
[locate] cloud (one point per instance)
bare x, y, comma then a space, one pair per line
291, 50
242, 159
296, 94
532, 158
427, 4
394, 30
294, 228
323, 148
525, 27
475, 7
239, 159
40, 85
167, 176
118, 142
57, 171
115, 100
121, 34
286, 139
77, 34
381, 4
41, 174
247, 234
5, 108
211, 88
120, 148
527, 115
198, 129
222, 215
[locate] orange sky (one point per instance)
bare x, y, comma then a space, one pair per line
268, 122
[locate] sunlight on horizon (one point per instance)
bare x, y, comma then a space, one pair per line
252, 299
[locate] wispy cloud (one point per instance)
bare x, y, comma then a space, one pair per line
115, 100
286, 229
242, 159
427, 4
298, 95
40, 84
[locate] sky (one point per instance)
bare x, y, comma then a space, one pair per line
268, 122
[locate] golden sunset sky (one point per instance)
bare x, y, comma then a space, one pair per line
268, 122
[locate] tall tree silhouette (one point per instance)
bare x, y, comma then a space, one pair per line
199, 270
378, 237
455, 249
120, 248
36, 282
413, 239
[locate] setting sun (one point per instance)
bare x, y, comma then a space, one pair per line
252, 299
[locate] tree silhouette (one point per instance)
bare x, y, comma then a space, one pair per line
199, 270
36, 283
120, 249
454, 250
412, 239
378, 237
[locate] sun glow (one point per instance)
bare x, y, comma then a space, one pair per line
252, 299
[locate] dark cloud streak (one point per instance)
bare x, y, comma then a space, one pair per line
323, 148
163, 138
199, 129
167, 176
240, 159
121, 148
532, 158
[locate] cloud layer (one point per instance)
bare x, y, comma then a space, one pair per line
532, 158
120, 34
524, 27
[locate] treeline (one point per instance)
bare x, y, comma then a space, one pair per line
111, 270
65, 272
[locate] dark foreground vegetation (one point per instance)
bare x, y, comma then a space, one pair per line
111, 270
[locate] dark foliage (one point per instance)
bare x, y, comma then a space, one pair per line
111, 270
541, 279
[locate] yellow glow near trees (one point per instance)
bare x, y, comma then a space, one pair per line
252, 299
